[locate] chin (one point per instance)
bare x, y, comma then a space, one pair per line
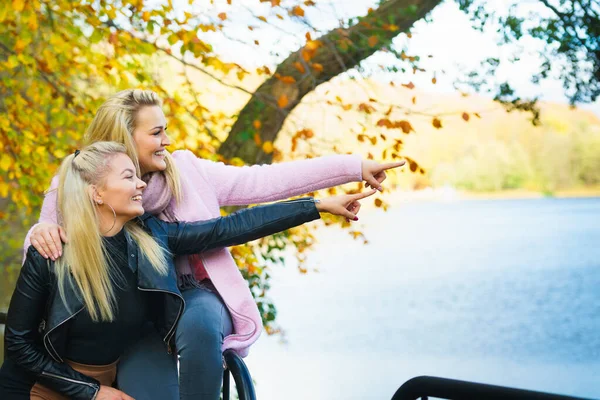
137, 212
156, 166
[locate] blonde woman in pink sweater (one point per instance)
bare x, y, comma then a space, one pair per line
220, 311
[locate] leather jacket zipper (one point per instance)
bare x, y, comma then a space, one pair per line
172, 330
47, 339
92, 385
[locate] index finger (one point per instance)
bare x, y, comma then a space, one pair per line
362, 195
392, 165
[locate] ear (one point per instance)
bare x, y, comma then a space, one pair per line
95, 195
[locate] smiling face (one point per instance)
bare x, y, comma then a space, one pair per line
121, 189
151, 139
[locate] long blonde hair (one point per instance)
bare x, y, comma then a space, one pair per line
84, 263
115, 121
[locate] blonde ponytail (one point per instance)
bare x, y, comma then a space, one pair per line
84, 263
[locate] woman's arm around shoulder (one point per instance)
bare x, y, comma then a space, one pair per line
46, 235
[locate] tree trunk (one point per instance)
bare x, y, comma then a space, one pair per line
317, 62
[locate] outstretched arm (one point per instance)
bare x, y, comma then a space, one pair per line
257, 222
264, 183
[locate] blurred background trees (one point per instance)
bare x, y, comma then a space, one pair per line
317, 90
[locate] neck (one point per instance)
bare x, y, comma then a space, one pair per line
109, 226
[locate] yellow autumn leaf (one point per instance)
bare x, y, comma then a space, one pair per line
4, 188
299, 67
282, 101
18, 5
373, 41
312, 45
19, 45
298, 11
5, 162
236, 161
268, 147
191, 142
59, 153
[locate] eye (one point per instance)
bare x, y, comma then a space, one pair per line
156, 133
129, 177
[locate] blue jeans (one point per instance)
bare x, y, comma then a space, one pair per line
199, 338
147, 372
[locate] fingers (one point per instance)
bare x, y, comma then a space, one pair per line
39, 247
358, 196
63, 235
354, 207
56, 239
348, 215
51, 245
372, 182
380, 176
386, 166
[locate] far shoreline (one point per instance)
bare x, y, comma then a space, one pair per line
529, 194
450, 194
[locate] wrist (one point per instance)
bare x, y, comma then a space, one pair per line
318, 204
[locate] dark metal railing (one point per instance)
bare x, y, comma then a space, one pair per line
243, 381
423, 387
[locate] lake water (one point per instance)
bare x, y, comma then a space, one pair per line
504, 292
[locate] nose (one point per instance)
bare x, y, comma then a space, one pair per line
141, 184
166, 141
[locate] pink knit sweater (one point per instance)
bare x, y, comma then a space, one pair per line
208, 185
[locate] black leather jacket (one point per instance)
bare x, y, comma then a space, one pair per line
37, 322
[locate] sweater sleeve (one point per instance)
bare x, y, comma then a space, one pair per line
265, 183
49, 212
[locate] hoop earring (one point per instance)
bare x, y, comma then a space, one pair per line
114, 218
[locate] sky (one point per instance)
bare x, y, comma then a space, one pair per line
456, 47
